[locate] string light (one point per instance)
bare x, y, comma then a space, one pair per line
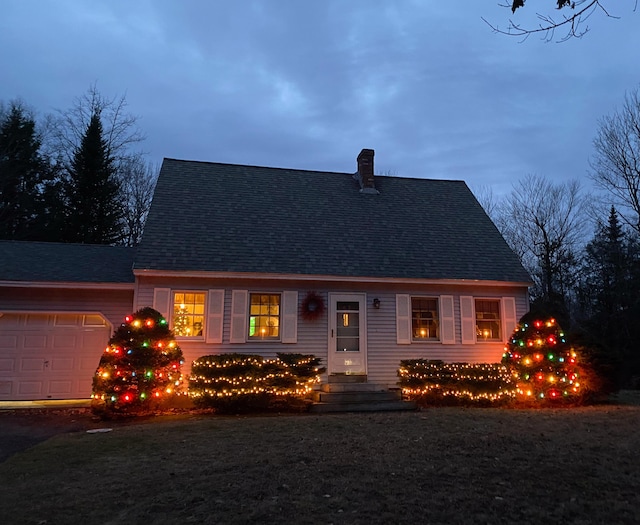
529, 370
129, 376
229, 375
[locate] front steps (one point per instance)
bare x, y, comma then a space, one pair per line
351, 393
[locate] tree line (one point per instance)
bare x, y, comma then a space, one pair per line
582, 249
74, 176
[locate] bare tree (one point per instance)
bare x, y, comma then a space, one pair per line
616, 162
573, 23
138, 180
487, 199
120, 129
545, 223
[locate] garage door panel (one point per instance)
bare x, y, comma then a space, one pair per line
62, 364
93, 320
36, 321
30, 388
7, 365
47, 356
69, 320
34, 342
11, 322
8, 342
65, 341
32, 365
61, 388
86, 385
88, 364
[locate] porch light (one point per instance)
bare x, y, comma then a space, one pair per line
376, 303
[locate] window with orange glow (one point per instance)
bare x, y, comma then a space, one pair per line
264, 316
424, 319
488, 326
188, 314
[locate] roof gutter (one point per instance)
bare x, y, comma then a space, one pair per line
327, 278
68, 285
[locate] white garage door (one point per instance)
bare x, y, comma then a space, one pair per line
47, 356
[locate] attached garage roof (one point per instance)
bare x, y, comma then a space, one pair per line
65, 262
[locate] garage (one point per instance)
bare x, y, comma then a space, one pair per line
50, 355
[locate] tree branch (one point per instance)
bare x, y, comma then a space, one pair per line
548, 25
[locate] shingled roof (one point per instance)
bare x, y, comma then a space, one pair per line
233, 218
62, 262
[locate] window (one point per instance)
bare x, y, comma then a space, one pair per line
424, 319
188, 314
488, 320
264, 316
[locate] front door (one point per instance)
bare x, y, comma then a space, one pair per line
347, 334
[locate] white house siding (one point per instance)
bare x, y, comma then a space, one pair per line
312, 335
383, 352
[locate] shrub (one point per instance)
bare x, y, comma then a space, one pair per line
433, 382
545, 365
246, 383
140, 367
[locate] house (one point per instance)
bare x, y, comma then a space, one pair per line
359, 269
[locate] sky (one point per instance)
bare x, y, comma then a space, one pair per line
308, 84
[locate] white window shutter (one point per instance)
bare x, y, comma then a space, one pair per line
403, 319
509, 319
447, 320
467, 320
215, 316
239, 299
162, 301
290, 317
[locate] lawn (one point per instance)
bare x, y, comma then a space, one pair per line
439, 465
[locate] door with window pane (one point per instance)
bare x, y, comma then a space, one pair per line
347, 336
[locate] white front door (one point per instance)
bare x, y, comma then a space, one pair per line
347, 334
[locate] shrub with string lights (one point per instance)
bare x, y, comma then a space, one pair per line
245, 382
434, 382
140, 367
544, 365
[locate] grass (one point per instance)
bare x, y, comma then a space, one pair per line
444, 465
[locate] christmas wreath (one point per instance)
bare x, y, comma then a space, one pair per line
312, 306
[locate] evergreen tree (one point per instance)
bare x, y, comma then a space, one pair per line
140, 366
544, 364
609, 295
24, 178
93, 191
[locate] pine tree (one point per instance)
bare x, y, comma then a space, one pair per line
24, 174
93, 191
140, 366
544, 365
608, 295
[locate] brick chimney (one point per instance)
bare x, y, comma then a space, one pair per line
365, 171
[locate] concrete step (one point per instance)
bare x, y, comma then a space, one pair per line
356, 397
383, 406
347, 378
352, 387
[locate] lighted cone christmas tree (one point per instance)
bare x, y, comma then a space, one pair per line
543, 363
141, 364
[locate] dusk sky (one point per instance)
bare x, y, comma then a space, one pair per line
308, 84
